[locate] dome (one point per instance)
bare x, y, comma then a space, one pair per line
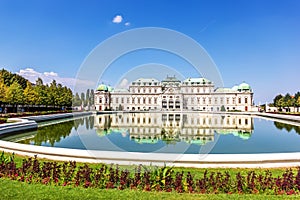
102, 87
244, 86
235, 88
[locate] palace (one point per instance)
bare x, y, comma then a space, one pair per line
172, 94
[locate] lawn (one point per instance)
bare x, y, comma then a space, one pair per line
19, 190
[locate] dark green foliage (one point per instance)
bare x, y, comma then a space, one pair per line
9, 78
16, 90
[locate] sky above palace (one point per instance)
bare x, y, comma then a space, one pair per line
254, 41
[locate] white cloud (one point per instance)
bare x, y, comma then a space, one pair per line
50, 74
127, 24
117, 19
123, 84
48, 77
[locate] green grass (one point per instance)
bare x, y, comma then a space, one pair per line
19, 190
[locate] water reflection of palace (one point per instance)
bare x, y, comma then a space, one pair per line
174, 127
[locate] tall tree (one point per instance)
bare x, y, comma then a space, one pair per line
14, 95
76, 100
92, 98
87, 98
276, 100
42, 94
53, 93
298, 103
10, 78
3, 91
30, 95
82, 99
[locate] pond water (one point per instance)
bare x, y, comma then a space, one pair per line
168, 133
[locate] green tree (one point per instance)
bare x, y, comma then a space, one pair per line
92, 98
3, 91
280, 103
76, 100
9, 78
14, 95
276, 100
82, 99
53, 96
297, 103
64, 96
87, 98
30, 95
42, 94
288, 101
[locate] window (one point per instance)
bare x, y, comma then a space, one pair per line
144, 100
155, 100
117, 100
100, 100
122, 100
240, 101
233, 100
209, 100
246, 100
227, 100
128, 100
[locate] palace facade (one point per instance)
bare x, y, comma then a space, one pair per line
172, 94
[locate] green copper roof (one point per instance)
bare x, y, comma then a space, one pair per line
244, 86
102, 87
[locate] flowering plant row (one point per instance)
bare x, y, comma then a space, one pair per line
148, 178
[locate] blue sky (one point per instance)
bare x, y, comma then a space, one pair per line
255, 41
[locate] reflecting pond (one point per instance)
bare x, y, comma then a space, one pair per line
168, 133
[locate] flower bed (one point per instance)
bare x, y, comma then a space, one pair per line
148, 178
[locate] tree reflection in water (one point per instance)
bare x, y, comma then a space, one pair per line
54, 133
287, 127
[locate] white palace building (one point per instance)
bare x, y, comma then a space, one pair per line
172, 94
